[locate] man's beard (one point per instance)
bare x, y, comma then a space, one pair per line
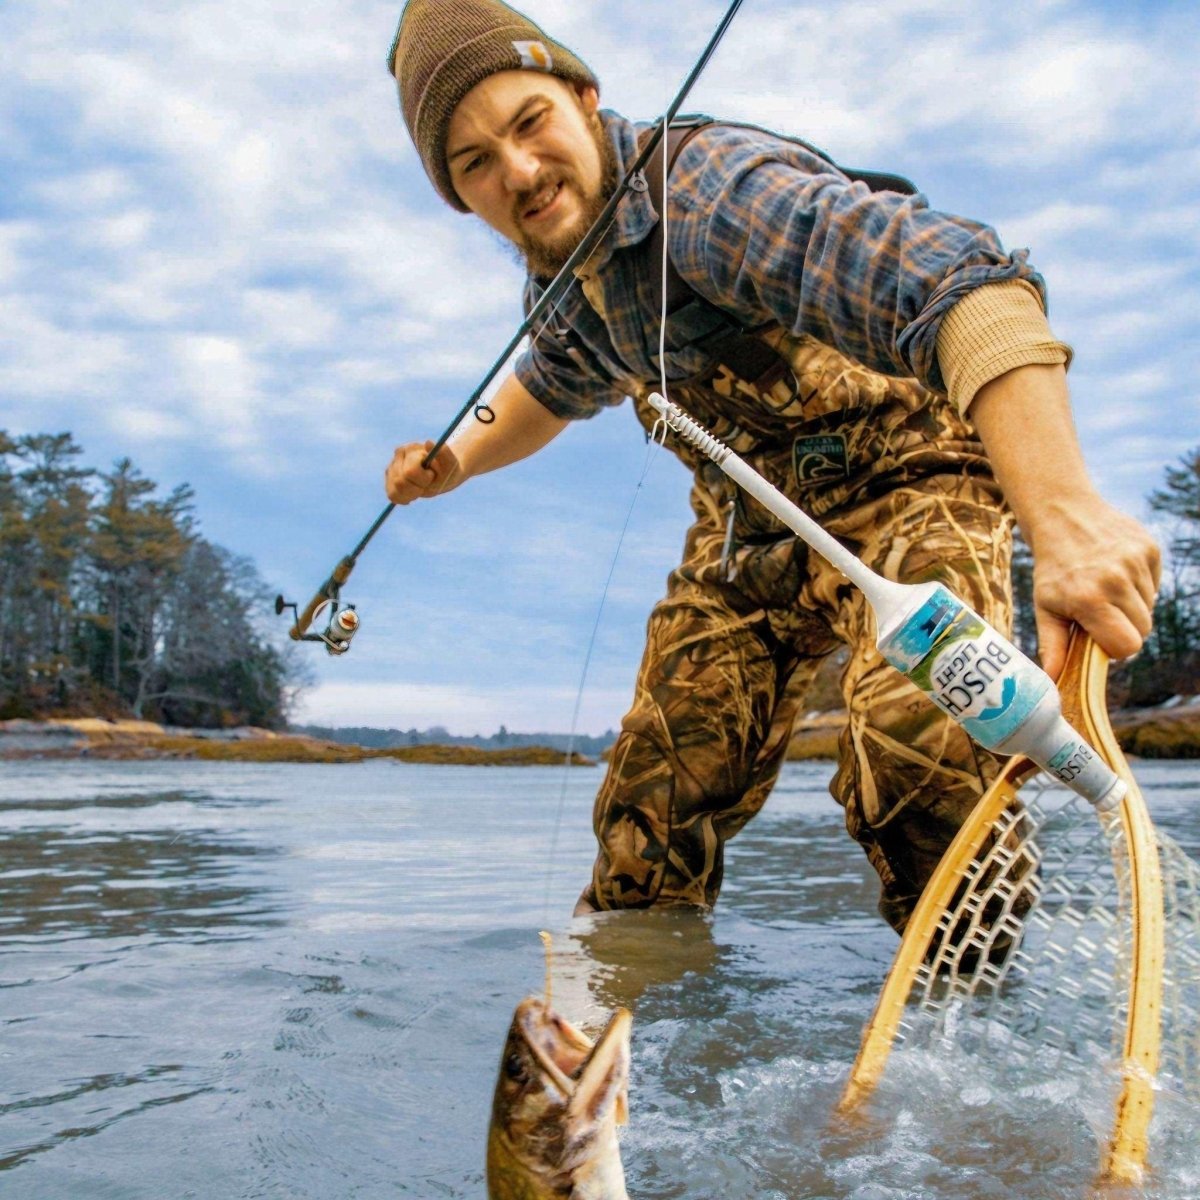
544, 257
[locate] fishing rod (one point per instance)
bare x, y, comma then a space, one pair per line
344, 620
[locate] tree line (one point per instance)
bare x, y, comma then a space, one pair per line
1169, 661
113, 604
376, 738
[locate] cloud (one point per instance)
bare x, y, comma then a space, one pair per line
462, 710
1061, 220
237, 199
40, 357
219, 254
291, 318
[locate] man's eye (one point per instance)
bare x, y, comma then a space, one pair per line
472, 164
531, 121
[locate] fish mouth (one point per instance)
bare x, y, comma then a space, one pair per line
558, 1100
580, 1069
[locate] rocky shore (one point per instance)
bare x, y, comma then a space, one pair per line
1166, 732
1170, 731
91, 737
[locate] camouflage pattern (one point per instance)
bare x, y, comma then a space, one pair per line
897, 475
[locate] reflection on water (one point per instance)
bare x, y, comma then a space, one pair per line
62, 883
623, 955
87, 1107
240, 981
100, 1011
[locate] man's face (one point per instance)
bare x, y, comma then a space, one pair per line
528, 154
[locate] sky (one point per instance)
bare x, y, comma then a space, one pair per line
219, 256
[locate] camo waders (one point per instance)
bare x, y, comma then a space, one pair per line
893, 472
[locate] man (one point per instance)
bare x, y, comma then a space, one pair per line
900, 382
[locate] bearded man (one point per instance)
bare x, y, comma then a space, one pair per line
887, 366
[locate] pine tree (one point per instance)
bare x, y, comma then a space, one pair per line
44, 507
1169, 662
1181, 499
137, 549
111, 603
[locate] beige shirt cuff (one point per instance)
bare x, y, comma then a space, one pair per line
990, 331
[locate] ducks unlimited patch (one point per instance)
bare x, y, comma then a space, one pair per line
820, 459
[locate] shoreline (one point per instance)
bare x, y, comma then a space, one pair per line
69, 738
1166, 732
1170, 732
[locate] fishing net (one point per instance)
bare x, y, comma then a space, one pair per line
1056, 941
1036, 944
1032, 909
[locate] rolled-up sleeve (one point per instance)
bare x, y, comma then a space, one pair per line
787, 237
991, 331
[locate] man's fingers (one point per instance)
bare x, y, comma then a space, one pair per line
1147, 578
1154, 560
1118, 633
1119, 639
1130, 581
407, 478
1053, 633
1102, 572
1123, 620
443, 464
444, 467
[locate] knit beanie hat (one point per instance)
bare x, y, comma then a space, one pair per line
443, 48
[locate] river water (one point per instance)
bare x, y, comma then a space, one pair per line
225, 980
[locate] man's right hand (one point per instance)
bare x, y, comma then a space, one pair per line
406, 480
519, 427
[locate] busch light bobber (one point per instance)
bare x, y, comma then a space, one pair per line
1001, 697
974, 674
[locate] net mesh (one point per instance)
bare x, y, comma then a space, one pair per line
1179, 1067
1028, 966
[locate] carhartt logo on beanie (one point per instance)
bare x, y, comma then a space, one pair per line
443, 48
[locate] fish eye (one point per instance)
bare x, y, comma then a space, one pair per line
514, 1068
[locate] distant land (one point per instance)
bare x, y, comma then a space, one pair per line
502, 739
1171, 730
99, 738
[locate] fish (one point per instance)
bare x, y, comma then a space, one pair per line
558, 1101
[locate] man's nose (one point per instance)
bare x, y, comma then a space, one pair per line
520, 168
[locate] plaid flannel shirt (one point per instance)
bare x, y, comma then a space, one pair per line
768, 231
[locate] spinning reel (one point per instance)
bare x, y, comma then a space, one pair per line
343, 619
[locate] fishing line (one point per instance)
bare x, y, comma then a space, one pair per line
548, 943
652, 448
654, 443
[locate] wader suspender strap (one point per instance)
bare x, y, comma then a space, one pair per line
747, 356
733, 345
682, 130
